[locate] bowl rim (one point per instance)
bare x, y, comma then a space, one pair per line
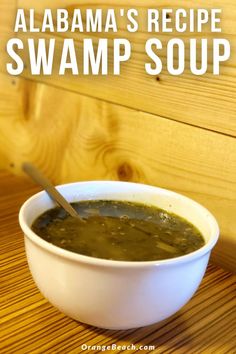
69, 255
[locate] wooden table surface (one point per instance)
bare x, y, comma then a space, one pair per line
29, 324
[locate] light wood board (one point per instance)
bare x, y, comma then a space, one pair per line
206, 101
7, 19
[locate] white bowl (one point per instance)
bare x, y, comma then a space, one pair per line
117, 294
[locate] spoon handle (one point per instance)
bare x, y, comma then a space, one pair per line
39, 178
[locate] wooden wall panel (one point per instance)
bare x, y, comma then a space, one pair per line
7, 18
227, 7
206, 101
73, 137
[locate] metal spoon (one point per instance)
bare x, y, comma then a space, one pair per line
39, 178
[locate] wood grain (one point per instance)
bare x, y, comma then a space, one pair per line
73, 137
31, 325
206, 101
7, 18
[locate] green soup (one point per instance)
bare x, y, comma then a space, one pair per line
119, 230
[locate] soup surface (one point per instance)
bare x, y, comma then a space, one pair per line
119, 230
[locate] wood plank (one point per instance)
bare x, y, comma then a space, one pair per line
206, 101
31, 325
73, 137
228, 21
7, 18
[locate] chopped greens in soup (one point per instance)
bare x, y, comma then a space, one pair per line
119, 230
